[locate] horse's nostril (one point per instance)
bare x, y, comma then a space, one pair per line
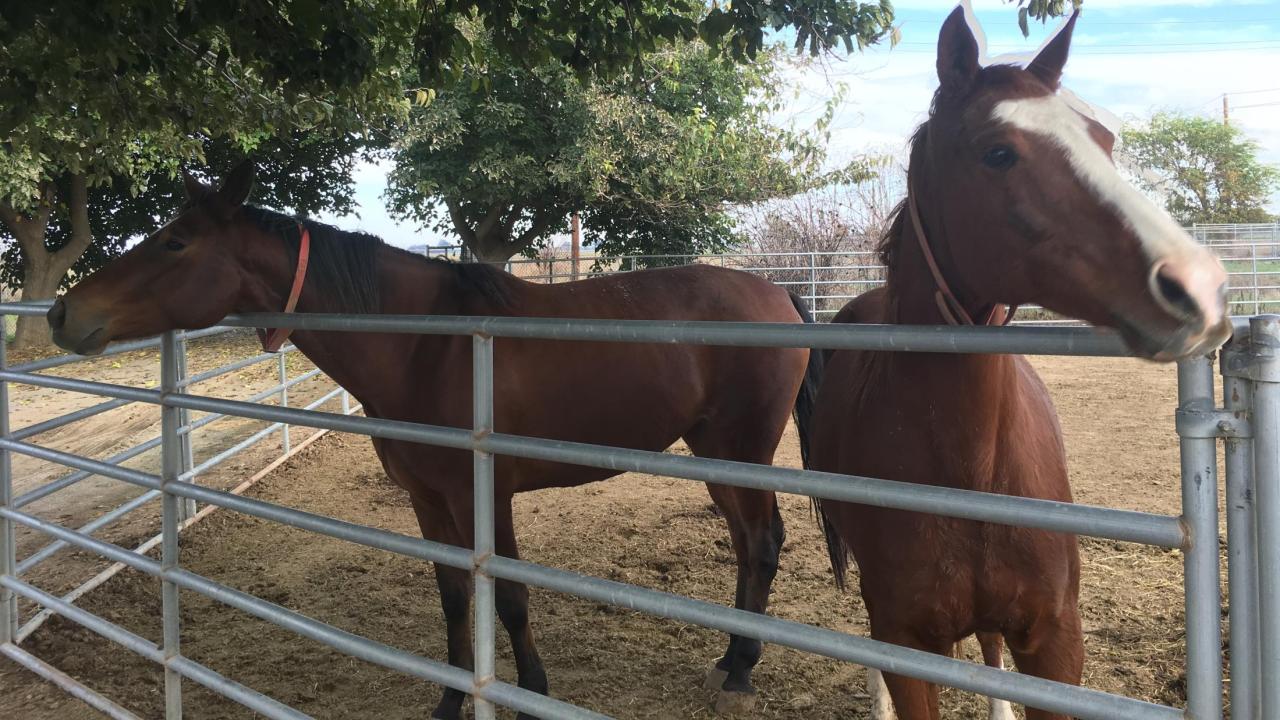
1174, 294
57, 314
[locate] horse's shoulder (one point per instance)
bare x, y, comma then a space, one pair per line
869, 307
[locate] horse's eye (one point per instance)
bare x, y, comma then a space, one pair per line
1000, 157
174, 245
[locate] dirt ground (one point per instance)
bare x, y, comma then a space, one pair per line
655, 532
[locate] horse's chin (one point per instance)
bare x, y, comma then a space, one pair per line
92, 344
1174, 346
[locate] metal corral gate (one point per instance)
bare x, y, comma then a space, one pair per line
191, 470
1250, 422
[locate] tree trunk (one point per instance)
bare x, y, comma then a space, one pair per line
44, 270
39, 282
494, 239
496, 251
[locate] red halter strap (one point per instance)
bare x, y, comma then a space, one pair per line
273, 338
952, 311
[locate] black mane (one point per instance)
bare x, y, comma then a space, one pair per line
886, 248
344, 262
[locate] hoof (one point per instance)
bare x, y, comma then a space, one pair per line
715, 679
1000, 710
730, 703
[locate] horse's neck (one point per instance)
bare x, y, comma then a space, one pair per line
405, 287
969, 393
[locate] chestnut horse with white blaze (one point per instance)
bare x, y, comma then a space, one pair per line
219, 256
1012, 199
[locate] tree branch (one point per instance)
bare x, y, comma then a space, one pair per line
81, 232
10, 216
542, 221
491, 219
460, 224
29, 231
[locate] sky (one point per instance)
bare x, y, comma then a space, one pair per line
1131, 57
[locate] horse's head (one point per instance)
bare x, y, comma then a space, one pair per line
188, 274
1019, 193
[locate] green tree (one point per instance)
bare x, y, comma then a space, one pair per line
1204, 171
652, 160
304, 173
110, 92
107, 95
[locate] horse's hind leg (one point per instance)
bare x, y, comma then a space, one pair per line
993, 655
512, 600
755, 527
749, 431
1052, 649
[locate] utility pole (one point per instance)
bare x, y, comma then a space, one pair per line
576, 252
1226, 118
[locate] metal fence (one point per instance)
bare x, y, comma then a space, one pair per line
189, 469
1250, 422
1251, 253
826, 280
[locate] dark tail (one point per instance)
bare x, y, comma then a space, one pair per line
805, 399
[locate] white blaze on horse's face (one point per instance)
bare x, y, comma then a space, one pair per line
1185, 279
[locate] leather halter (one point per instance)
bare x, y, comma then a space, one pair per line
273, 338
952, 311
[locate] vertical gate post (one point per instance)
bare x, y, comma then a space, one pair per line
187, 506
284, 402
813, 282
8, 550
1264, 342
1257, 285
1200, 556
170, 509
1242, 559
482, 421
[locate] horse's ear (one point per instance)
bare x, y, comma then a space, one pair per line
957, 53
1049, 62
196, 190
235, 189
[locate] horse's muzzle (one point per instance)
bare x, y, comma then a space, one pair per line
57, 315
81, 338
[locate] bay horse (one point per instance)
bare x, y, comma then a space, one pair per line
220, 256
1012, 199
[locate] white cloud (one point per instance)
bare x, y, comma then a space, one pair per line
890, 90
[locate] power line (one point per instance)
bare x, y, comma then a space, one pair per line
1079, 53
1178, 21
1125, 45
1256, 105
1254, 92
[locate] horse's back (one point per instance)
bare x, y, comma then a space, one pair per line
646, 395
686, 292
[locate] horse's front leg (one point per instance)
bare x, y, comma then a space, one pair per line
455, 598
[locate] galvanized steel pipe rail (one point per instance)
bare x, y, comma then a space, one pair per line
1113, 524
1080, 702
